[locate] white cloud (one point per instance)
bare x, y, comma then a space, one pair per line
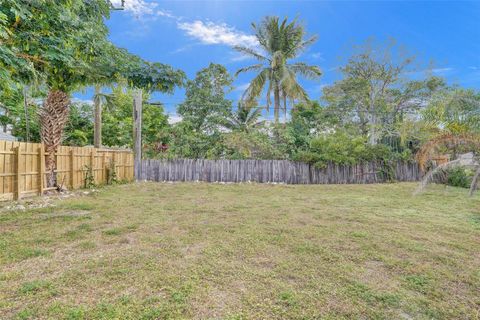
441, 70
212, 33
137, 7
174, 118
242, 87
207, 32
317, 55
240, 57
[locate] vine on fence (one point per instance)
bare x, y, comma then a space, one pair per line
111, 173
89, 177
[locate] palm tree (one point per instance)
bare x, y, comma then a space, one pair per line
244, 119
280, 42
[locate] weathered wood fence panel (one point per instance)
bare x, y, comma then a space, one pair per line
22, 167
277, 171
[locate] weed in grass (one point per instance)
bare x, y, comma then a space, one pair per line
26, 314
119, 230
287, 298
371, 296
86, 245
79, 232
418, 282
86, 206
38, 286
75, 313
152, 313
27, 253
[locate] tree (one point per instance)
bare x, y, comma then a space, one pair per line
281, 42
55, 42
374, 93
205, 106
453, 110
118, 125
244, 119
64, 44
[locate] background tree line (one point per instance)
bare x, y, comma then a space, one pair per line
377, 110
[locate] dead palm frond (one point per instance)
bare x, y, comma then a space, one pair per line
450, 140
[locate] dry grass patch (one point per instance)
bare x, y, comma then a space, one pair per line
250, 251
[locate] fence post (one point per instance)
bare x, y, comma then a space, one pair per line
92, 164
41, 169
114, 163
17, 191
72, 171
104, 168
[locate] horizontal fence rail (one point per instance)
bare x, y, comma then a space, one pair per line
276, 171
22, 167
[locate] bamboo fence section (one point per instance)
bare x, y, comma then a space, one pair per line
276, 171
22, 167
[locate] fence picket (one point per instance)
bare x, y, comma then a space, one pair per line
274, 171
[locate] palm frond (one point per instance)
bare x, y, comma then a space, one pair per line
430, 147
256, 85
309, 72
291, 87
254, 67
250, 52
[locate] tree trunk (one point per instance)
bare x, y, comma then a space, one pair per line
372, 138
53, 118
25, 109
474, 184
276, 103
97, 130
372, 134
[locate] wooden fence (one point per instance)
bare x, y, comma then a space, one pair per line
22, 167
278, 171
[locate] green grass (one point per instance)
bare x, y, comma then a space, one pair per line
249, 251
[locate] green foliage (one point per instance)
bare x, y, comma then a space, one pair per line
118, 122
459, 177
342, 148
188, 142
205, 106
244, 119
250, 145
79, 128
53, 41
454, 110
281, 41
111, 173
375, 94
89, 181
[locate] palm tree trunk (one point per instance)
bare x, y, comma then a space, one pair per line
97, 130
53, 118
276, 103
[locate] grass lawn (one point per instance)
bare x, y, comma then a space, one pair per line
249, 251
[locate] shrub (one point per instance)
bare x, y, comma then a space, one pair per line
459, 177
343, 149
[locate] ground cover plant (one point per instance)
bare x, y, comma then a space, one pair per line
245, 251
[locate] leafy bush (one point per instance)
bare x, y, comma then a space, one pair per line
343, 149
459, 177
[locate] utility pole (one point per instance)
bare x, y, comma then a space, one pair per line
25, 106
97, 130
137, 132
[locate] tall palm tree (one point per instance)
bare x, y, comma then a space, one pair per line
244, 119
281, 41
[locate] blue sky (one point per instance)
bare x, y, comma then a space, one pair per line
444, 36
